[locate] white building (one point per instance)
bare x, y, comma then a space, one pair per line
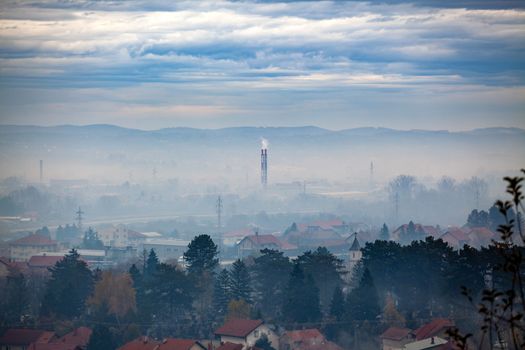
166, 249
246, 332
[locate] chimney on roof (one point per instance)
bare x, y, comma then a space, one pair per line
432, 340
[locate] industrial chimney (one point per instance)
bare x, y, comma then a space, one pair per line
264, 163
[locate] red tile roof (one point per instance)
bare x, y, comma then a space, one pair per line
395, 333
238, 327
142, 343
43, 261
176, 344
433, 328
53, 346
22, 336
79, 336
303, 335
327, 345
33, 239
230, 346
270, 239
458, 234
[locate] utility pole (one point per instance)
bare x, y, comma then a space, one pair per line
219, 212
79, 213
219, 217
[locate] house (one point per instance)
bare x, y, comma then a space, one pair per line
74, 340
79, 337
456, 237
395, 338
5, 267
41, 263
292, 340
253, 244
481, 237
141, 343
437, 328
120, 237
246, 332
24, 248
145, 343
423, 230
427, 343
230, 346
166, 249
21, 338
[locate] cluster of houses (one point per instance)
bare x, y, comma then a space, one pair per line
36, 339
431, 336
456, 237
236, 334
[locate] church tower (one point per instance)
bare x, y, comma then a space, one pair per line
354, 254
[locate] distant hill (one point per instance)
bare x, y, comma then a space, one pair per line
231, 154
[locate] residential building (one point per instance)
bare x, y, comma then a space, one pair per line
24, 248
246, 332
120, 237
456, 237
427, 344
166, 249
395, 338
437, 328
21, 338
253, 244
145, 343
74, 340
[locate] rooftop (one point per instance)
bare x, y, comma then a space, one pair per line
395, 333
33, 239
23, 336
238, 327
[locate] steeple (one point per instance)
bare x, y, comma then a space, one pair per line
355, 245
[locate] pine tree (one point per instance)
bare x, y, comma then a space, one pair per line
221, 292
151, 266
337, 304
70, 284
16, 299
240, 282
201, 255
301, 302
363, 302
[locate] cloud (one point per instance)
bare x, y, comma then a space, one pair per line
230, 48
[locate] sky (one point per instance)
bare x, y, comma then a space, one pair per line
151, 64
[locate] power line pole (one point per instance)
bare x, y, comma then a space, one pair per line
219, 217
219, 212
79, 213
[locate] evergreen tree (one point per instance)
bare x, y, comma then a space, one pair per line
326, 270
337, 304
101, 339
272, 272
411, 232
201, 255
91, 240
240, 282
151, 266
171, 291
221, 292
337, 310
384, 234
16, 303
301, 302
363, 302
70, 284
